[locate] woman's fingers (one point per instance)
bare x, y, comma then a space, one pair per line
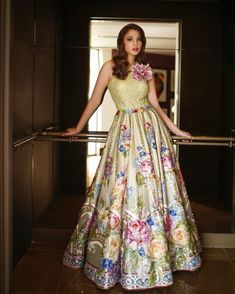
187, 135
68, 133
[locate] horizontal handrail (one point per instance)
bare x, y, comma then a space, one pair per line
99, 134
100, 137
48, 134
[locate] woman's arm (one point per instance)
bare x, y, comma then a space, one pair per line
95, 100
152, 96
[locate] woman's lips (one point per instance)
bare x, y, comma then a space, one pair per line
135, 49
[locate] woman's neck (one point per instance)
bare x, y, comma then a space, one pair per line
131, 59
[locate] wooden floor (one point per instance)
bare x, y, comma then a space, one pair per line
40, 270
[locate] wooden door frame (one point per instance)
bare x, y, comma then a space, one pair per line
5, 149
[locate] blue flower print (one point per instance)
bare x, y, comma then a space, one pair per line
106, 263
121, 174
124, 139
150, 221
121, 148
141, 251
172, 212
150, 135
154, 145
142, 153
97, 189
129, 190
163, 149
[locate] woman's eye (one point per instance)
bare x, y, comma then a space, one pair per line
131, 39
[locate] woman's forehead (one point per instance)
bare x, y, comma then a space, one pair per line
132, 33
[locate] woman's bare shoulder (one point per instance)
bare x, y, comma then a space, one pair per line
108, 65
107, 68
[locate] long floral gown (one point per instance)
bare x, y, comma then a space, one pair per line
136, 226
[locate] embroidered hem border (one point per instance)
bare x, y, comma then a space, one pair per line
107, 280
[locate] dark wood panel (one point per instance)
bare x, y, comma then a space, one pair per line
200, 103
201, 26
35, 105
22, 88
73, 168
22, 199
43, 87
43, 178
74, 99
45, 19
227, 187
200, 168
23, 20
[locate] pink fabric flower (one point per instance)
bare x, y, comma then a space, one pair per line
141, 72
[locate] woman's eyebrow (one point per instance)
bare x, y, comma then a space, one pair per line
132, 36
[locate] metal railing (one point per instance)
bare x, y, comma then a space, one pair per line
31, 137
100, 137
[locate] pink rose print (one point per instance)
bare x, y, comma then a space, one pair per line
137, 233
114, 221
147, 125
108, 167
167, 161
146, 167
123, 127
167, 224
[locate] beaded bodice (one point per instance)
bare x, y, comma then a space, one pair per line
128, 93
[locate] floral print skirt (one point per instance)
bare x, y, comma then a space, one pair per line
136, 226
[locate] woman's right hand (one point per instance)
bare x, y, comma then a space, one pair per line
70, 132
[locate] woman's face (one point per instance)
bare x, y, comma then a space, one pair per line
132, 42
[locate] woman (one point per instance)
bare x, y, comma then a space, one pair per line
136, 226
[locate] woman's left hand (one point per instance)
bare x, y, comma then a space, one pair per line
182, 133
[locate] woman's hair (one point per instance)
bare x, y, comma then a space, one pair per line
120, 69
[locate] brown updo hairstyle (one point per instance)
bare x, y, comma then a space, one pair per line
120, 68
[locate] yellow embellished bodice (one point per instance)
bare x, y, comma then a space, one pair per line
128, 93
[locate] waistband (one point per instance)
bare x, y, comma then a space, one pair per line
134, 110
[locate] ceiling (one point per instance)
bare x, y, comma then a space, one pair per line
161, 36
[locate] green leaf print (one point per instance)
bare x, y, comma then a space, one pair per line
140, 202
132, 258
105, 182
152, 276
91, 195
139, 179
78, 238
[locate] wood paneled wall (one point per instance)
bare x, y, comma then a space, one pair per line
35, 93
227, 187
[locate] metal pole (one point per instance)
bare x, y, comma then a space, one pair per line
100, 137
